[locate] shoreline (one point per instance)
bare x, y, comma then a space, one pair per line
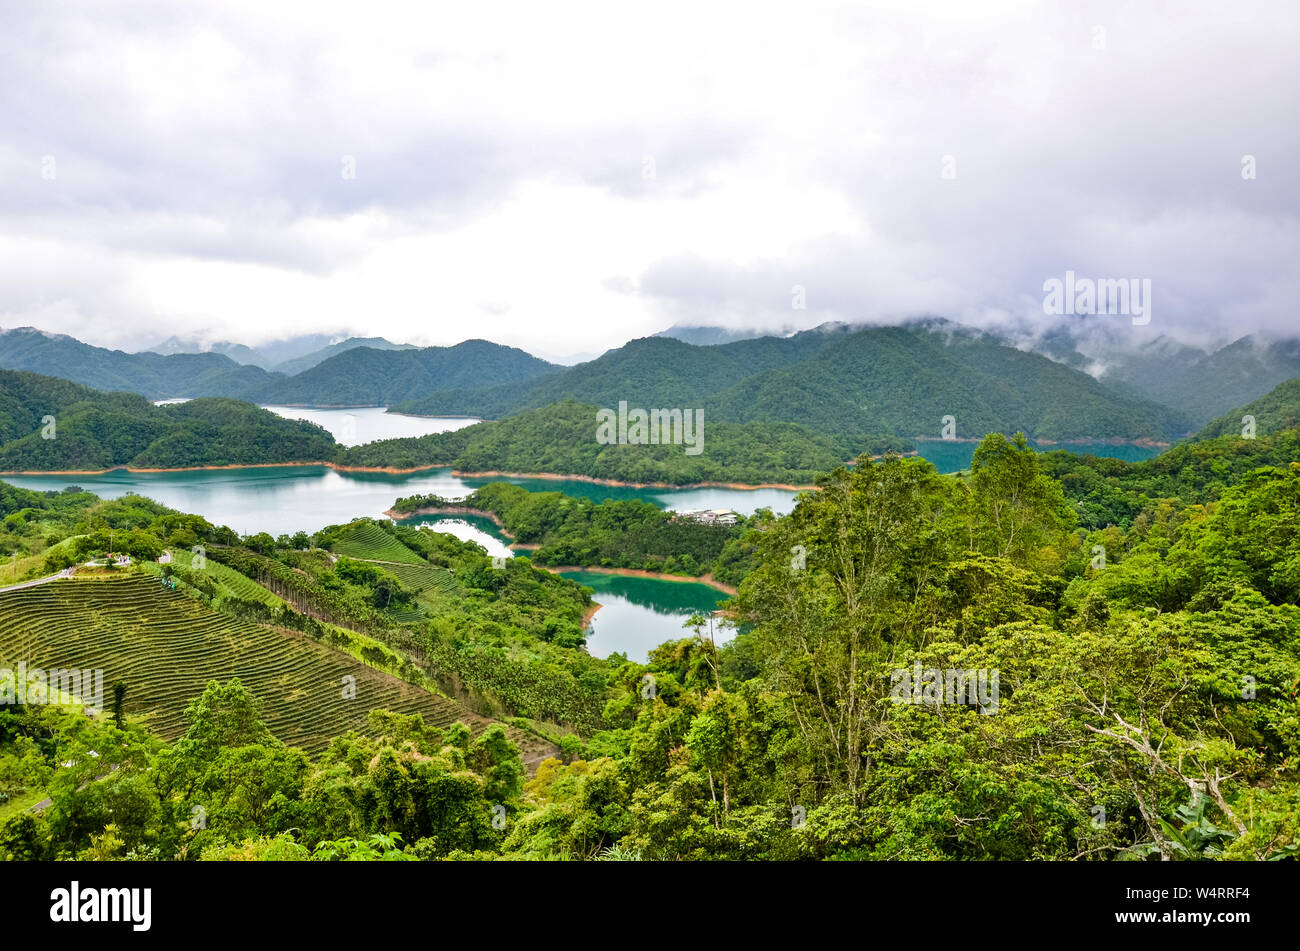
457, 510
558, 477
328, 406
706, 579
1143, 443
317, 463
392, 470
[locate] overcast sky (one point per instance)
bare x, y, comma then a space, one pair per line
563, 177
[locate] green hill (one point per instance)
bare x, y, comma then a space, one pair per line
654, 371
1206, 385
368, 542
903, 380
93, 430
562, 439
364, 376
308, 360
1275, 411
166, 646
154, 375
844, 382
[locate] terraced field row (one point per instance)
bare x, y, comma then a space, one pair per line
166, 647
421, 578
406, 615
236, 584
370, 542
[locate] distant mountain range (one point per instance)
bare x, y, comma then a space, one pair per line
241, 354
843, 380
153, 375
366, 377
1206, 385
1199, 382
351, 373
290, 356
267, 355
316, 357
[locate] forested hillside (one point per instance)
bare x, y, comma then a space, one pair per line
1108, 491
562, 439
364, 376
927, 667
655, 371
297, 365
51, 424
903, 381
1204, 385
153, 375
1275, 411
844, 381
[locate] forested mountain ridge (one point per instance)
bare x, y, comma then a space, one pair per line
657, 371
844, 380
354, 372
154, 375
308, 360
364, 376
838, 378
49, 424
1273, 412
904, 380
561, 439
945, 651
1204, 385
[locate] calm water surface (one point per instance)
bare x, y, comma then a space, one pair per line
636, 614
356, 427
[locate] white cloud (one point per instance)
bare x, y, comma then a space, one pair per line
501, 154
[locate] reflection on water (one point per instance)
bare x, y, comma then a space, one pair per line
638, 614
955, 456
274, 499
744, 501
286, 499
358, 426
468, 528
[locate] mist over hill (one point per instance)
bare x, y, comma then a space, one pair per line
1275, 411
843, 379
152, 375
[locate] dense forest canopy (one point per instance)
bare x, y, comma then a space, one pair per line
561, 530
562, 439
153, 375
927, 667
843, 381
365, 376
1274, 412
47, 424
